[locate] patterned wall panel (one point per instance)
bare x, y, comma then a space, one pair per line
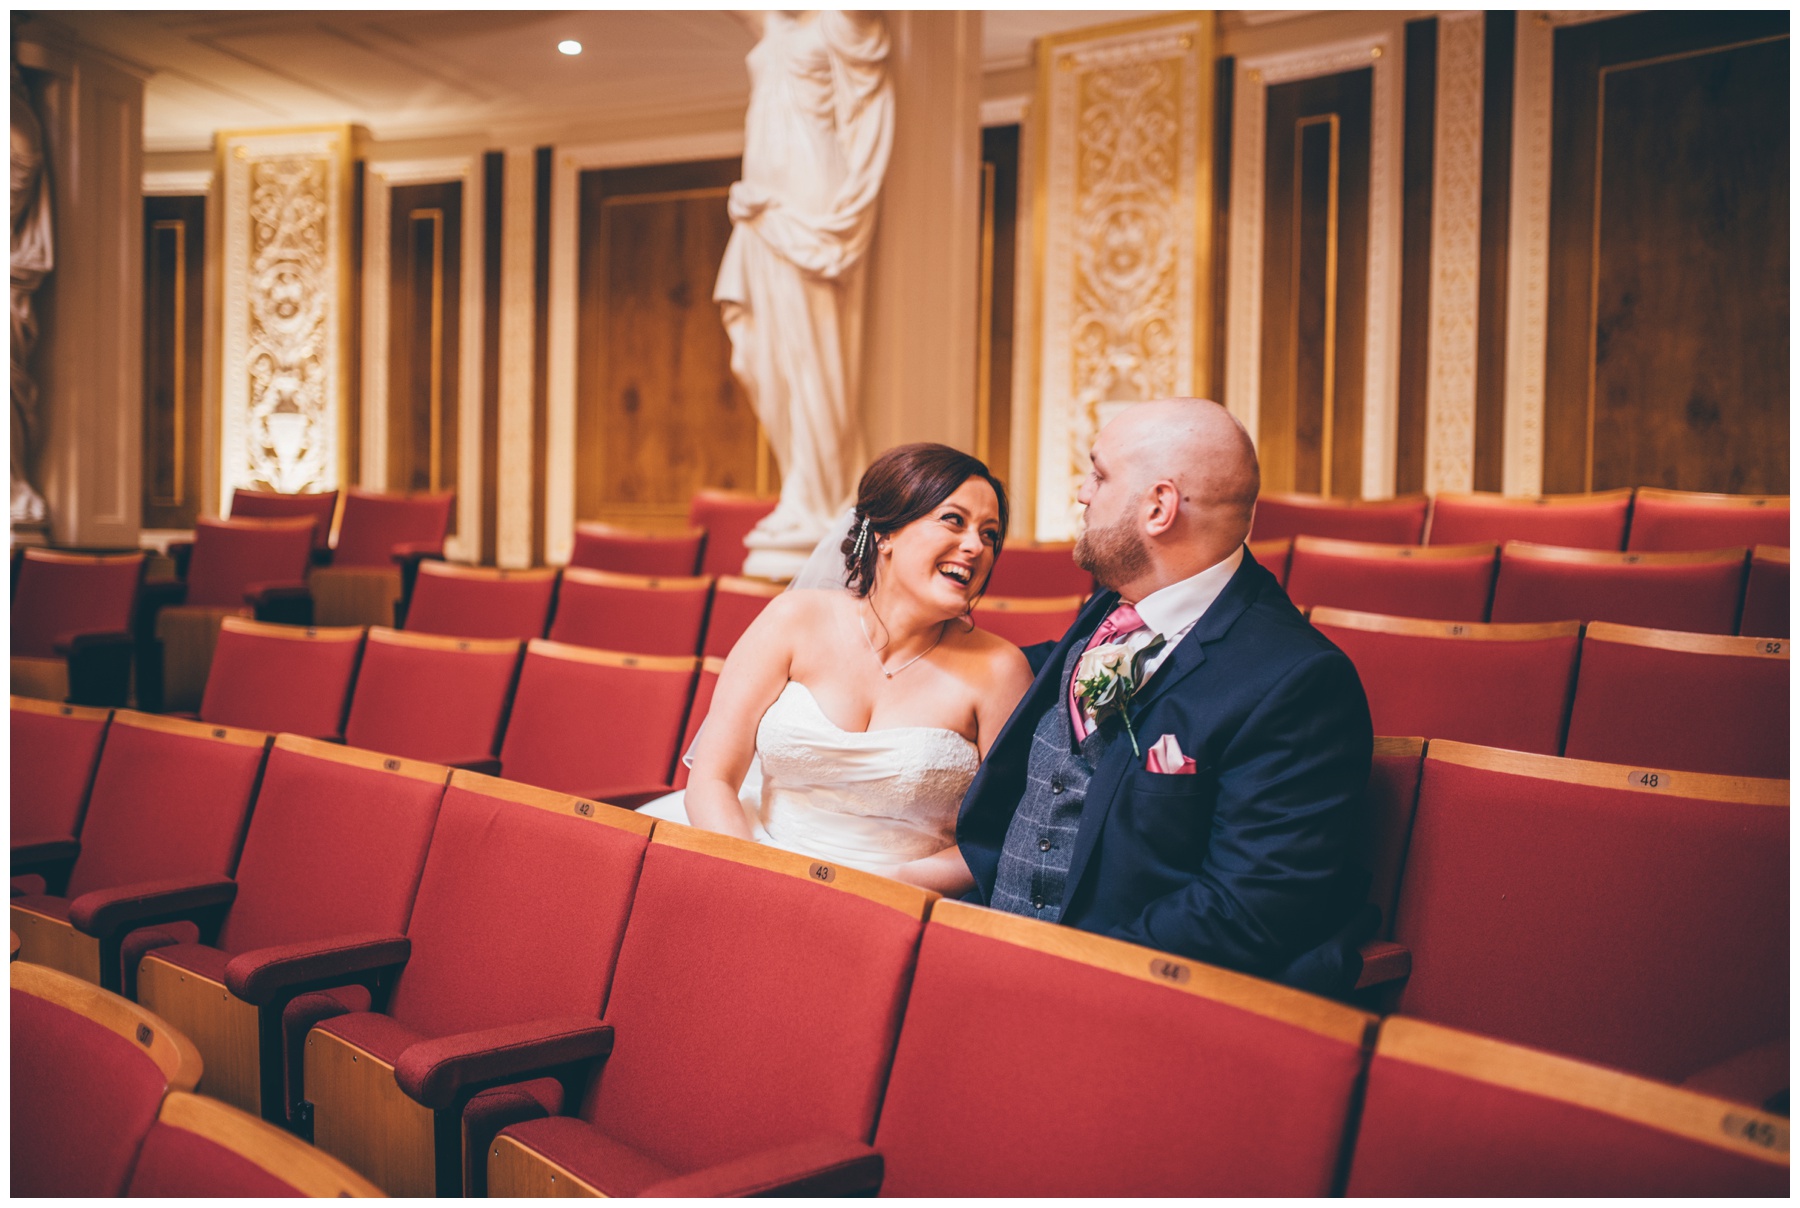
284, 218
1124, 208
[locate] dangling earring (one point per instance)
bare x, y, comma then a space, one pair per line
862, 540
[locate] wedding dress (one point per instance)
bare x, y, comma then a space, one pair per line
868, 799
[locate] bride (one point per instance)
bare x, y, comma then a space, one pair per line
869, 707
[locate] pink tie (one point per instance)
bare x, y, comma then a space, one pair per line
1120, 621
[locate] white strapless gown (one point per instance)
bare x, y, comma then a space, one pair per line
869, 799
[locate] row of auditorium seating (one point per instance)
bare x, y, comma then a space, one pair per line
510, 940
1614, 693
102, 1105
1647, 519
1722, 591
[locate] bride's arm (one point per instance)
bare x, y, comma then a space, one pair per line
1008, 676
754, 674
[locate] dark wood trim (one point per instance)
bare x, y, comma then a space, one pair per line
1415, 255
1000, 155
493, 215
174, 358
540, 357
1496, 231
1224, 82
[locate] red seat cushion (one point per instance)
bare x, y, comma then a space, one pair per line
1445, 583
55, 749
572, 708
1576, 521
1635, 927
1721, 706
437, 699
378, 1035
177, 1163
1499, 686
604, 1163
1428, 1131
83, 1097
734, 1036
1697, 596
1021, 1073
166, 804
281, 678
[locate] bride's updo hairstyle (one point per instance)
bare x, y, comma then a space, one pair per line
902, 485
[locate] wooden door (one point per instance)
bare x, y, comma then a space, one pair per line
425, 290
174, 306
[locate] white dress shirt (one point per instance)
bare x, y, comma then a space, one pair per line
1177, 608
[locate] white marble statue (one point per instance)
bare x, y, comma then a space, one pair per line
32, 259
816, 143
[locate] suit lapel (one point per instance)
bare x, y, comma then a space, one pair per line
1189, 654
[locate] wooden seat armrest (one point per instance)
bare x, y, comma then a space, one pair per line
286, 602
823, 1166
35, 855
1383, 962
108, 913
67, 644
263, 975
437, 1073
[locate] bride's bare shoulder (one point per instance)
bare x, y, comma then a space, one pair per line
800, 608
996, 657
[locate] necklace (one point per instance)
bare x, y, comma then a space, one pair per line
909, 662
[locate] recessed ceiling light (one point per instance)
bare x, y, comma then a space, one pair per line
569, 46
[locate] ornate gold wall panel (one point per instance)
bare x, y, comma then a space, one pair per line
1123, 230
284, 228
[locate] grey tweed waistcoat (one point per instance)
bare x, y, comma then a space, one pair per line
1032, 878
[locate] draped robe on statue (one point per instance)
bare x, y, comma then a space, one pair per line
816, 142
32, 259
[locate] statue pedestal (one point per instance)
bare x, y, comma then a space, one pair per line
780, 563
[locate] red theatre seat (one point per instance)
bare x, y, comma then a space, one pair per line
1026, 620
1627, 916
1399, 521
750, 1055
433, 698
325, 884
597, 723
727, 518
1690, 520
512, 941
480, 601
319, 507
377, 526
627, 551
1687, 701
89, 1072
169, 803
1450, 1114
639, 613
703, 694
55, 749
1595, 521
1497, 685
201, 1148
735, 603
282, 678
1039, 570
1443, 582
1766, 594
1697, 592
1155, 1075
72, 625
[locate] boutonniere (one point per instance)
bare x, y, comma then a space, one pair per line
1108, 676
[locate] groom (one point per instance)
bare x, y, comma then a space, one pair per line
1218, 825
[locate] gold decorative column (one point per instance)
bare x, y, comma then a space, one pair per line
285, 210
1123, 231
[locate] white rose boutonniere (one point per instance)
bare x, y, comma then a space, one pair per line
1108, 676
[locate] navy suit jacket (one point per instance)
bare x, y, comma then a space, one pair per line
1247, 863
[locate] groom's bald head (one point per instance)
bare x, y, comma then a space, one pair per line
1176, 482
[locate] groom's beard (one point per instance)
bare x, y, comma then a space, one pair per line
1115, 554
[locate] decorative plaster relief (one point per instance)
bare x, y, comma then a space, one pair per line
1455, 255
1127, 120
285, 201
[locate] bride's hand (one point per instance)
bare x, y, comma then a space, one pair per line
942, 872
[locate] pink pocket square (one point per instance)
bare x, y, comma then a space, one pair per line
1166, 757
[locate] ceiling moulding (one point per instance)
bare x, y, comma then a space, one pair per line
54, 35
